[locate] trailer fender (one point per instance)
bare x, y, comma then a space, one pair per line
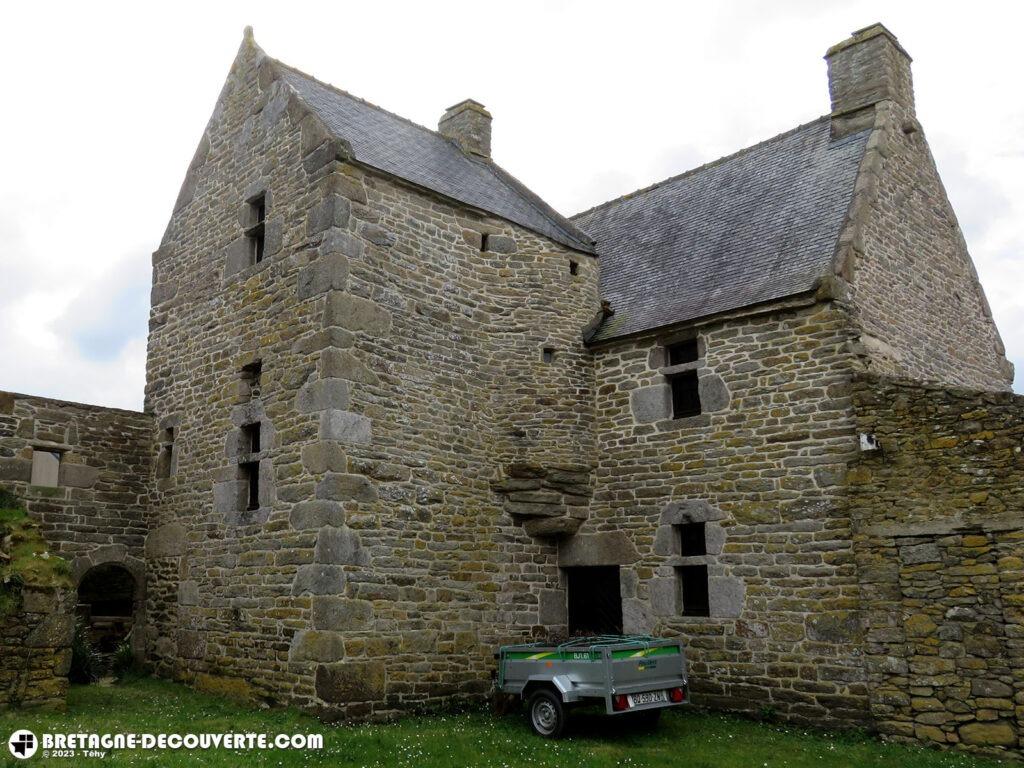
560, 683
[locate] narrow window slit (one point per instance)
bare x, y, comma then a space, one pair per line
694, 584
251, 478
256, 231
251, 434
251, 376
685, 394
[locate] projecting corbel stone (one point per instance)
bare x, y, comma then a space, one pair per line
552, 527
607, 548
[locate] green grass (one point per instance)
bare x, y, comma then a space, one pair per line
684, 739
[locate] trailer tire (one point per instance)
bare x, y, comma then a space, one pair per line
546, 713
647, 719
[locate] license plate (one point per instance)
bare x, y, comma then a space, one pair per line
647, 697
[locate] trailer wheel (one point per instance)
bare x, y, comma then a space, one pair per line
647, 719
547, 715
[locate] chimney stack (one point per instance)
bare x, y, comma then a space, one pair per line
867, 68
468, 123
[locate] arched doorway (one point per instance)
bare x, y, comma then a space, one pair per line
107, 603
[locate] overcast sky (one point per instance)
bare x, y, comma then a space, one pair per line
104, 106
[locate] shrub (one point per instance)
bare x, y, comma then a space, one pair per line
85, 660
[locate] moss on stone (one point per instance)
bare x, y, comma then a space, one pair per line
25, 557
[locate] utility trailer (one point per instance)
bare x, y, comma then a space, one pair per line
628, 674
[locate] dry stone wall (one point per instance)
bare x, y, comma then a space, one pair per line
939, 516
762, 468
402, 368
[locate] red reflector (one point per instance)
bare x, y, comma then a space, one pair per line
620, 702
677, 695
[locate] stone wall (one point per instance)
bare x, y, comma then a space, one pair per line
35, 649
939, 517
762, 467
97, 511
402, 372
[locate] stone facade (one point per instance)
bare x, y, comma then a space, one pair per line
376, 443
402, 370
762, 467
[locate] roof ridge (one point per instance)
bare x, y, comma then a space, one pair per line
697, 169
502, 176
361, 100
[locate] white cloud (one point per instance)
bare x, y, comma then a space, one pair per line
106, 102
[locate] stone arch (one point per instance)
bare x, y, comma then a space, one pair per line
110, 586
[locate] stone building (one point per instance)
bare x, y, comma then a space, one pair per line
399, 411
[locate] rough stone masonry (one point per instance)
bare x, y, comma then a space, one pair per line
399, 411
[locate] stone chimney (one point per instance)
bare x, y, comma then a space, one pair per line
468, 123
867, 68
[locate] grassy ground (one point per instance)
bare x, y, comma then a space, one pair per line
683, 740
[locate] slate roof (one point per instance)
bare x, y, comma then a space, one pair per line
752, 227
424, 157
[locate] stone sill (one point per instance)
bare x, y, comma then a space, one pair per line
671, 370
700, 420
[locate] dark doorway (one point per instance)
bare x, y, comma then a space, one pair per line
106, 601
595, 603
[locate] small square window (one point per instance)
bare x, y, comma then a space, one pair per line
250, 472
548, 355
685, 394
45, 468
574, 268
692, 541
251, 438
693, 580
252, 375
256, 231
682, 352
